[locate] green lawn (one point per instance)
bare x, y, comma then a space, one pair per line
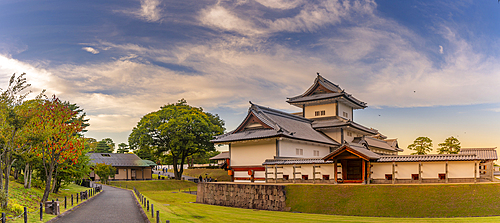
219, 174
452, 200
31, 199
180, 207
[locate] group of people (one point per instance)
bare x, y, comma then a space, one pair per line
209, 179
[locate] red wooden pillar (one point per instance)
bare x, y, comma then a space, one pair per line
363, 170
335, 171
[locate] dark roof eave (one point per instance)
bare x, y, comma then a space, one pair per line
360, 104
347, 124
275, 136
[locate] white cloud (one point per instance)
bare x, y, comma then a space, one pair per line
311, 17
90, 50
221, 18
441, 49
280, 4
150, 11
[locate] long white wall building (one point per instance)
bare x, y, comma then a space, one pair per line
324, 144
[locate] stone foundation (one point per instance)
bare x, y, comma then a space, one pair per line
253, 196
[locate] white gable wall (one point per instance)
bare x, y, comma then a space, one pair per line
334, 134
330, 110
288, 148
252, 153
344, 108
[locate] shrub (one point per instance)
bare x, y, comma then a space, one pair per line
15, 209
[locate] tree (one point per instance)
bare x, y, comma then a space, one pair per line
14, 116
451, 145
104, 171
422, 145
122, 148
177, 130
59, 126
110, 144
102, 147
90, 144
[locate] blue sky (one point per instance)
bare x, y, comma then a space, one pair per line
425, 68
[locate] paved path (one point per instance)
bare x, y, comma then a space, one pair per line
112, 205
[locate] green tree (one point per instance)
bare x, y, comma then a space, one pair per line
90, 144
422, 145
110, 144
177, 130
104, 171
14, 117
102, 147
451, 145
122, 148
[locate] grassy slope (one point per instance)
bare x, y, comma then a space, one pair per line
458, 200
31, 199
180, 207
219, 174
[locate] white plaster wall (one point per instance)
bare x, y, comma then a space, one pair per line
328, 108
306, 169
344, 108
288, 149
380, 170
252, 153
431, 170
406, 169
259, 174
462, 169
241, 174
334, 134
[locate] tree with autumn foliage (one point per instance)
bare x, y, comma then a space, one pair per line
58, 126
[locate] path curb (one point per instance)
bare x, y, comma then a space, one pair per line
73, 208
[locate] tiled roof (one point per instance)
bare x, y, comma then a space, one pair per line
380, 144
295, 161
283, 125
119, 159
221, 156
481, 153
361, 149
338, 93
428, 158
336, 122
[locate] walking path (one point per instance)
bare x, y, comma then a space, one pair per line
113, 205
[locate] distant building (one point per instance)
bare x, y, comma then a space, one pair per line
128, 166
324, 144
222, 159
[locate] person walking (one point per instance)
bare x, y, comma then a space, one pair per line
201, 179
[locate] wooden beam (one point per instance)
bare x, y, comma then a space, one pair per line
335, 171
393, 172
275, 173
446, 172
265, 173
369, 172
475, 171
363, 169
419, 172
314, 173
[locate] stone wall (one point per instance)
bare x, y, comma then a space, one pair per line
254, 196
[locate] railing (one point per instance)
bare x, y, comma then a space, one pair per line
84, 195
145, 203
